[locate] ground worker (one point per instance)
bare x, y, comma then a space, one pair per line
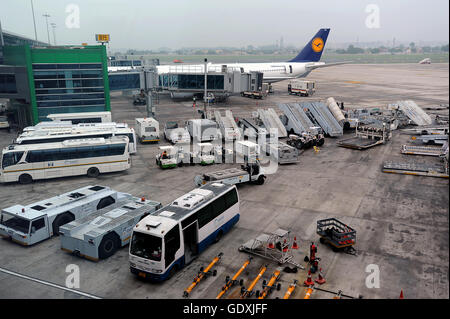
164, 155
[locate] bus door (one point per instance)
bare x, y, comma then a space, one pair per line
39, 230
190, 234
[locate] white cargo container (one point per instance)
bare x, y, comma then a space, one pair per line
301, 87
247, 150
147, 129
28, 225
203, 130
175, 134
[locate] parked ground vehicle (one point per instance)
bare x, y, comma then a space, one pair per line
175, 134
51, 132
25, 163
284, 153
247, 173
337, 234
100, 234
204, 153
203, 130
4, 124
147, 129
81, 117
305, 140
172, 156
170, 238
257, 94
301, 87
28, 225
140, 98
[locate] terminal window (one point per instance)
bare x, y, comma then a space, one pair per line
8, 84
62, 85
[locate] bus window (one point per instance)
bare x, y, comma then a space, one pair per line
146, 246
231, 197
172, 244
11, 158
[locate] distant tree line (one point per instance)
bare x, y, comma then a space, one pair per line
412, 48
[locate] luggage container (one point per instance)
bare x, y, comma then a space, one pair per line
337, 234
284, 153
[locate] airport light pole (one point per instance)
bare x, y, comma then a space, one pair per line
34, 20
205, 93
54, 34
46, 15
2, 43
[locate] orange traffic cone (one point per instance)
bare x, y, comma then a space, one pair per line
320, 280
271, 245
308, 282
401, 295
294, 245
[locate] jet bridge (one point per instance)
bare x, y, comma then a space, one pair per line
186, 80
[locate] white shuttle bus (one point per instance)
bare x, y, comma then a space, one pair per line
81, 117
170, 238
49, 134
25, 163
33, 223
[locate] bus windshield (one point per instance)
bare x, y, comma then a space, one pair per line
146, 246
11, 158
171, 125
14, 222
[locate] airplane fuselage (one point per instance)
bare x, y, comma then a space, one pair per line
272, 71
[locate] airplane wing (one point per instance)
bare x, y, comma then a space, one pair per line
315, 65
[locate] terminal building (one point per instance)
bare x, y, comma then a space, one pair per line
42, 80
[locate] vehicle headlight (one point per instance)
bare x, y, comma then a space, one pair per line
133, 265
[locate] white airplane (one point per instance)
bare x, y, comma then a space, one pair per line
300, 66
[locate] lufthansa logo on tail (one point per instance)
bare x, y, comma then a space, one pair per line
317, 44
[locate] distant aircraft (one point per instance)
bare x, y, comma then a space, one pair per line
425, 61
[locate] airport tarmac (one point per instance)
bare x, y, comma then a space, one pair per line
401, 221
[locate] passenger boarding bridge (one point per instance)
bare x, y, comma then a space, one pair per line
187, 80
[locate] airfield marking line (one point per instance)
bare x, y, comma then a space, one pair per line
47, 283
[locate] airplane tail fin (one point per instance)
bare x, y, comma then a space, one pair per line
313, 50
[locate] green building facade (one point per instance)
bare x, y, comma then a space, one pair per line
62, 79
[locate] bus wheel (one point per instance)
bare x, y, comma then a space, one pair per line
108, 246
93, 172
25, 179
61, 220
105, 202
218, 237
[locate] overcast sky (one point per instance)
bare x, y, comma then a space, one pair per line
147, 24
